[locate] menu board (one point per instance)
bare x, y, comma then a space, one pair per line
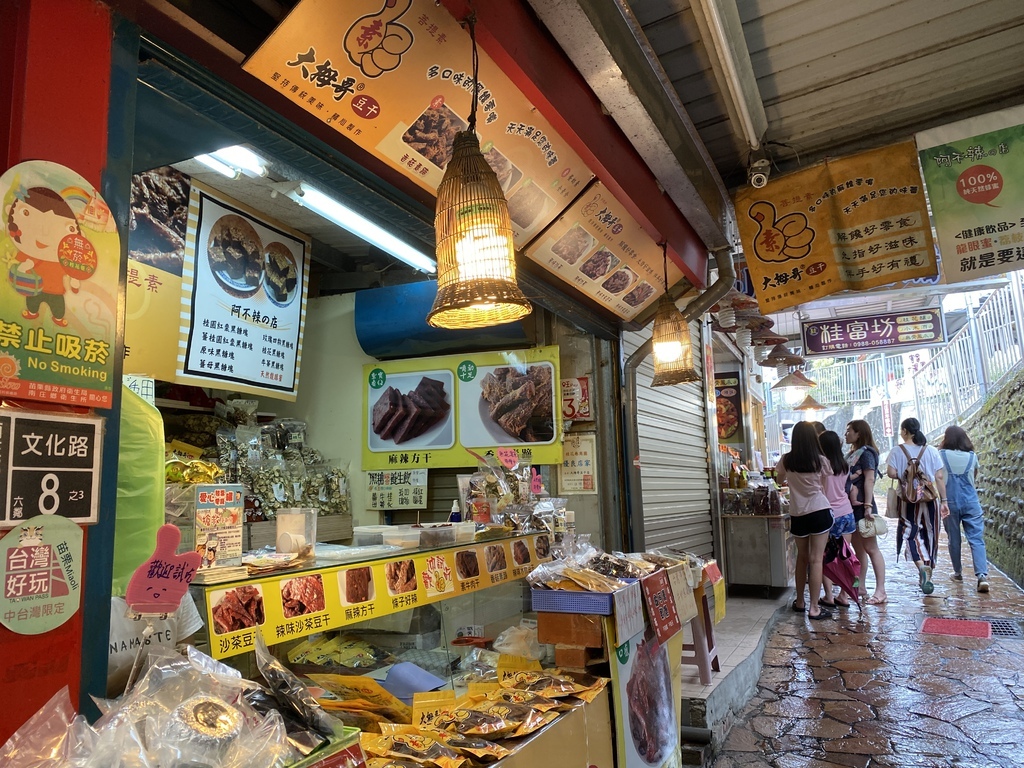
396, 79
292, 605
220, 512
50, 466
58, 300
729, 408
597, 248
243, 287
425, 413
396, 489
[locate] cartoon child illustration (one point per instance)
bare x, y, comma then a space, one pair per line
37, 221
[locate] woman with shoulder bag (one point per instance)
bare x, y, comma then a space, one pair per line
961, 466
860, 486
919, 520
810, 516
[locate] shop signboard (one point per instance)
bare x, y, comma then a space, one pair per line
41, 574
50, 466
847, 335
396, 79
577, 474
156, 254
58, 301
973, 170
729, 408
856, 223
576, 399
424, 413
243, 292
601, 251
292, 605
646, 706
220, 514
396, 489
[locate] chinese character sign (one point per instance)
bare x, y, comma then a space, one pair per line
425, 413
601, 251
872, 332
52, 466
855, 223
58, 303
158, 585
974, 172
41, 574
220, 512
578, 471
661, 605
729, 408
396, 79
396, 489
244, 287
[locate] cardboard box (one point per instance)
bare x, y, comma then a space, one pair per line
580, 629
577, 657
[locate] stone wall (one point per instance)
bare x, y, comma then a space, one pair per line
998, 435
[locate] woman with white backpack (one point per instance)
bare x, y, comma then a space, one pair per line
918, 467
961, 467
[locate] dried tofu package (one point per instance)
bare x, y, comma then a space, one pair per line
526, 719
469, 721
425, 750
533, 700
477, 749
547, 683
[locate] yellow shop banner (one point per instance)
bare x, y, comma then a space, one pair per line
395, 77
293, 605
855, 223
426, 412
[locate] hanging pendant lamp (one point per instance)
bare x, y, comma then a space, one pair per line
809, 404
673, 348
476, 265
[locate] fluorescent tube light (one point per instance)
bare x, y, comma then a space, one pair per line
242, 159
214, 164
348, 219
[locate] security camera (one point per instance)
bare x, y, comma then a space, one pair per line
757, 173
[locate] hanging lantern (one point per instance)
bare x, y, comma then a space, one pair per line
476, 266
794, 380
809, 404
673, 348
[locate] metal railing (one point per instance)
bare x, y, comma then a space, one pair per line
978, 359
855, 382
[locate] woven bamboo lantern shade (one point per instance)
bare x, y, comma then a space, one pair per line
476, 259
809, 404
673, 348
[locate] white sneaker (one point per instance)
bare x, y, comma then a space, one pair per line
983, 583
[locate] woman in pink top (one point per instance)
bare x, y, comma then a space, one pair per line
842, 509
805, 470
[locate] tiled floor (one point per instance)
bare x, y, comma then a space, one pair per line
738, 637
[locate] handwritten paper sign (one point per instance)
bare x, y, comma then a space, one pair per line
158, 585
661, 605
509, 457
629, 613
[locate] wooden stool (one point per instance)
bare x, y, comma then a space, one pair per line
703, 652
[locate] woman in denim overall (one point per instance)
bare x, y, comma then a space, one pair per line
964, 508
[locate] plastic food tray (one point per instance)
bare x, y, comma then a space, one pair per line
564, 601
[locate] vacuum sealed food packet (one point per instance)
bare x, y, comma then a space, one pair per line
547, 683
533, 700
425, 750
479, 750
592, 581
526, 719
391, 762
469, 721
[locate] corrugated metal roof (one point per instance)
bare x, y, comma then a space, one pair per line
837, 77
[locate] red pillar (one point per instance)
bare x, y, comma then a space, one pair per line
55, 64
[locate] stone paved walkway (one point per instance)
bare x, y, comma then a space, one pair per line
876, 693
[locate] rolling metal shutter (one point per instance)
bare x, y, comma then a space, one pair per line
675, 477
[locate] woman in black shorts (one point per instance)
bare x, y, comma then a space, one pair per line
804, 469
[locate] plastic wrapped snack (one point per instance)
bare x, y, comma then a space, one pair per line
615, 567
526, 719
423, 749
550, 684
469, 721
476, 749
526, 698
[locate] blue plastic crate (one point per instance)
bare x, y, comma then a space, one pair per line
564, 601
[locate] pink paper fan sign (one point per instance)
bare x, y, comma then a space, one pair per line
158, 585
